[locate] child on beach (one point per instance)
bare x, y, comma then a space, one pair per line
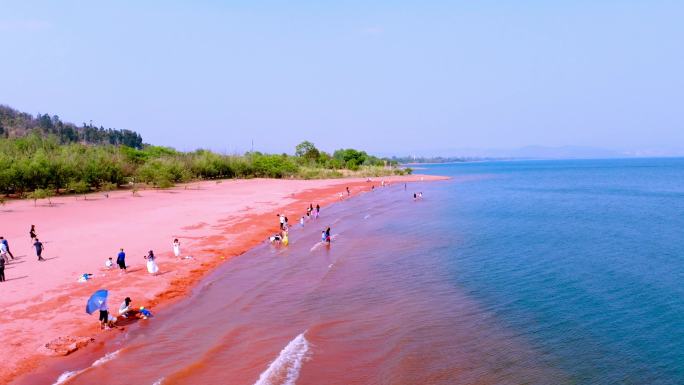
152, 267
301, 222
176, 248
32, 233
318, 211
144, 313
109, 263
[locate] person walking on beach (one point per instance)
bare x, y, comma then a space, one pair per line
3, 254
176, 248
308, 212
348, 192
152, 267
5, 246
121, 260
32, 233
281, 218
301, 222
2, 270
39, 249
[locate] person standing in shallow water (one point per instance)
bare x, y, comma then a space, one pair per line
39, 249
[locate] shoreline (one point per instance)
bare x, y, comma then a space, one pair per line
213, 238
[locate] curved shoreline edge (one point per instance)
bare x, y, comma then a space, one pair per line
214, 235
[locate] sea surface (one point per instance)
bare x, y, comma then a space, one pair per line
529, 272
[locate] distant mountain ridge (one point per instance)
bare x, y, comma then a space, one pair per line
15, 123
538, 152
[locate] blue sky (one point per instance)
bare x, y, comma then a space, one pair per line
400, 77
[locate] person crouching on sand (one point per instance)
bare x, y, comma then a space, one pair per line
152, 267
126, 310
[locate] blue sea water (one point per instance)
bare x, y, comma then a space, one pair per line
582, 259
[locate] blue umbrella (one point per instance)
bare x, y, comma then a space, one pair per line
96, 300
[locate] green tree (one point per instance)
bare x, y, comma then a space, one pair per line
307, 150
79, 187
40, 193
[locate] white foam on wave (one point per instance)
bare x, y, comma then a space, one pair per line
158, 382
107, 357
367, 216
64, 377
286, 367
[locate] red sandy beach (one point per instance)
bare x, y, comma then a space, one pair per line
43, 301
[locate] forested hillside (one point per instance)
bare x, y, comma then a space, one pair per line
15, 124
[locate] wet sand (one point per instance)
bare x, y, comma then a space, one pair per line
43, 301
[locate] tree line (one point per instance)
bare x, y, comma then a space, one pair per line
44, 165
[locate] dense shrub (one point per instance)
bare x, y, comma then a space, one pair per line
42, 163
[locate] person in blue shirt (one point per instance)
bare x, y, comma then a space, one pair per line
121, 260
39, 249
6, 246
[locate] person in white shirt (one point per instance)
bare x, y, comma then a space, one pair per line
126, 309
176, 248
109, 263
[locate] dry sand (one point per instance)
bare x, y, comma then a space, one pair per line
43, 302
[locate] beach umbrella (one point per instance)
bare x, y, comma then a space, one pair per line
96, 300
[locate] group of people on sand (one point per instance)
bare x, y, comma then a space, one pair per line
6, 254
150, 258
281, 237
126, 311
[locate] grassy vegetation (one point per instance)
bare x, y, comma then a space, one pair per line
38, 166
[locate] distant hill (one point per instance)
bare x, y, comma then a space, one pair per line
14, 124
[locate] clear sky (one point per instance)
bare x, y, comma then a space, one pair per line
390, 77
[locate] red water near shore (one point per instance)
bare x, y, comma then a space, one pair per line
372, 308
